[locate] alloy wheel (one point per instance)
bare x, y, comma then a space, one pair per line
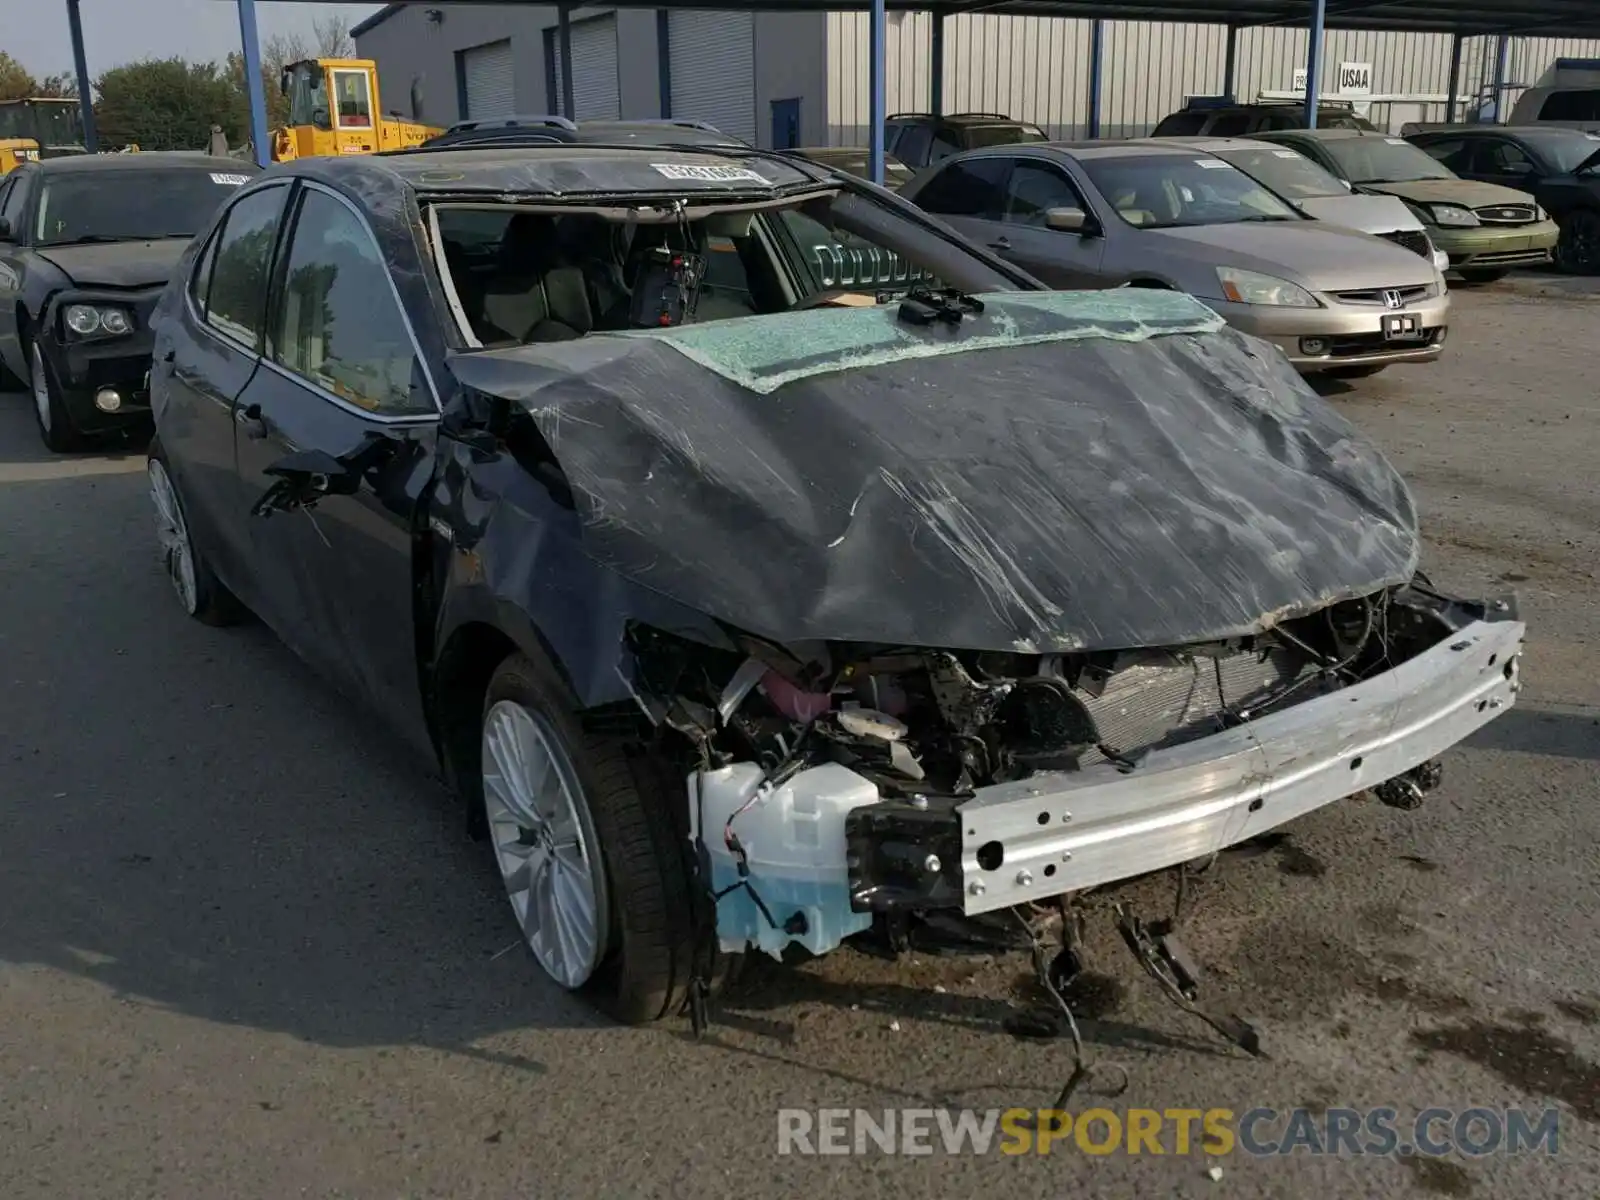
172, 534
41, 390
544, 843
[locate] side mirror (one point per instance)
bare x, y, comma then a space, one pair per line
1066, 220
1519, 168
319, 118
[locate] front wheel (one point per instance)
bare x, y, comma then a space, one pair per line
199, 591
1578, 251
1482, 275
583, 834
55, 425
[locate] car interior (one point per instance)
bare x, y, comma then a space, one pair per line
522, 277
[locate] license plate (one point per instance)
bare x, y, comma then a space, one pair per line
1402, 327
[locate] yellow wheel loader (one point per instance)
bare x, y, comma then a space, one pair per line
334, 109
38, 127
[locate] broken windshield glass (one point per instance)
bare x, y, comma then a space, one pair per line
764, 353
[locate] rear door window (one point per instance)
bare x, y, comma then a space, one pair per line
1575, 105
974, 188
1181, 124
914, 146
1231, 124
236, 300
1034, 189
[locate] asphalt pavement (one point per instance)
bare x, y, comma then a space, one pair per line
246, 950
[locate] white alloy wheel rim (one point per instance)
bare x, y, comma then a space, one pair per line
41, 391
545, 843
173, 536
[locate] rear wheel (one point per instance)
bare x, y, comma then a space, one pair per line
199, 591
1578, 251
1473, 277
582, 832
55, 426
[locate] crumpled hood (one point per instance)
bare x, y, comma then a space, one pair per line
1097, 490
118, 264
1315, 254
1471, 193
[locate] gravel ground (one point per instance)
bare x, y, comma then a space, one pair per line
244, 950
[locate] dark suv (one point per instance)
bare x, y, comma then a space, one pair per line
1209, 117
918, 139
523, 130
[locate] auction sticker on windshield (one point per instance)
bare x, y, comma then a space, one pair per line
711, 174
1211, 163
230, 180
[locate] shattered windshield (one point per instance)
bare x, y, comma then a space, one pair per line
766, 354
520, 276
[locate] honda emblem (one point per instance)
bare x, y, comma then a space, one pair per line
1391, 299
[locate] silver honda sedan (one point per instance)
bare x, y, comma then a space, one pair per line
1147, 214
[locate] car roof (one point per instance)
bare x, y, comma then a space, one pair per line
143, 160
963, 118
557, 169
1213, 145
1523, 131
1128, 148
1322, 134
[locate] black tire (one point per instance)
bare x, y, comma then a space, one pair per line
56, 429
646, 972
212, 603
1578, 251
1477, 276
1366, 371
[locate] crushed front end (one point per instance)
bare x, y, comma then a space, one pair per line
843, 786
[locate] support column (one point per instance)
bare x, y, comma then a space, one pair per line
569, 106
80, 64
877, 37
1455, 78
936, 66
1502, 55
1097, 45
1230, 62
251, 45
1319, 20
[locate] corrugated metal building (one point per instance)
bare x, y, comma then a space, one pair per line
801, 78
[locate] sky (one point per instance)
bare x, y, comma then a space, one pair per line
119, 31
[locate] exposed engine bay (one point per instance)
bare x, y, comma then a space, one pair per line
827, 781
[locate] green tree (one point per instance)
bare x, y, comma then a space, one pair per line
16, 81
168, 104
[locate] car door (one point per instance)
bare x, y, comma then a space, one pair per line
341, 377
969, 195
206, 347
1501, 160
1062, 258
13, 198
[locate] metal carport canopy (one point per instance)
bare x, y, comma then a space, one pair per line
1463, 18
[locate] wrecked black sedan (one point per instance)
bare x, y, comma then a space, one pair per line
766, 566
86, 245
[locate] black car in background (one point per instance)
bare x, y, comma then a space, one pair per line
1559, 167
86, 245
1211, 116
553, 130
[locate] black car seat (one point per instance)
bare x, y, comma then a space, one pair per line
528, 298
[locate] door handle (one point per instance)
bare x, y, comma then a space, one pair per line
1000, 244
249, 418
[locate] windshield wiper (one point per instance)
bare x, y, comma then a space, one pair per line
1264, 217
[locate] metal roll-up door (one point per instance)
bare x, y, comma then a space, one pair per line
713, 69
595, 91
491, 91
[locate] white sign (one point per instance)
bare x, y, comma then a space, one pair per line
1299, 84
1355, 79
710, 174
231, 180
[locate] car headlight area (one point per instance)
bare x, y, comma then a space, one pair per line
1252, 287
97, 321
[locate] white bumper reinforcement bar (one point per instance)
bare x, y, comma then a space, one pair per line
1063, 831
